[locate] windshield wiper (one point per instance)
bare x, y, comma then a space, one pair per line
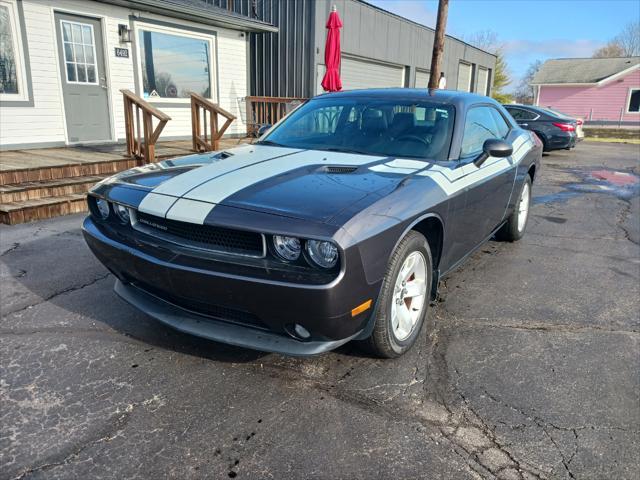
345, 150
269, 143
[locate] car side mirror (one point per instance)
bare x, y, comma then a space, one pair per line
493, 147
263, 129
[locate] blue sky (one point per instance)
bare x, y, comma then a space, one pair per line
529, 29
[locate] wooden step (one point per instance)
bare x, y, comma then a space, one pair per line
42, 208
70, 170
19, 192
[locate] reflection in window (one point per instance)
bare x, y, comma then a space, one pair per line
634, 101
173, 65
481, 124
8, 65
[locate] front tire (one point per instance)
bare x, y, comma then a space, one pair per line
516, 225
404, 298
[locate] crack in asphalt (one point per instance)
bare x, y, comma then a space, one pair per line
13, 247
540, 327
105, 434
622, 217
73, 288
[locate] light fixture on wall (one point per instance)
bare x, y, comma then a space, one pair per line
124, 33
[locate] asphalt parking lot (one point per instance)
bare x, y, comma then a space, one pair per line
529, 367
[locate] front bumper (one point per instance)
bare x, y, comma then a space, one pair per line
238, 310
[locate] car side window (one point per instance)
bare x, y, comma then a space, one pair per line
480, 125
520, 114
322, 121
516, 113
501, 123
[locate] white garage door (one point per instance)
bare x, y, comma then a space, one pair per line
422, 79
464, 77
483, 81
363, 74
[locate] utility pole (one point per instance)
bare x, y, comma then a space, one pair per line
438, 43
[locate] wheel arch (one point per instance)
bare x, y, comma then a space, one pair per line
432, 227
532, 172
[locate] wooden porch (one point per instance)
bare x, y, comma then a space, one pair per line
49, 182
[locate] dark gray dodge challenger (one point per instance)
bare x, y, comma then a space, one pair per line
335, 226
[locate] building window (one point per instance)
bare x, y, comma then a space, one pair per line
634, 101
464, 77
79, 52
12, 70
174, 63
483, 81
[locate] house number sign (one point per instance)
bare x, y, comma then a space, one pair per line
122, 52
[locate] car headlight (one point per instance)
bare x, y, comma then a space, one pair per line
323, 254
122, 212
287, 248
103, 208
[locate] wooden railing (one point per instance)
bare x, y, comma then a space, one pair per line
142, 138
206, 138
267, 111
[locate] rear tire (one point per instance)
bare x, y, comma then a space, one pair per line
516, 225
404, 298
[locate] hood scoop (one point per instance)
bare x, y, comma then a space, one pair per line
339, 169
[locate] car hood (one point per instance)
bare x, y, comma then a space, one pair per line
306, 184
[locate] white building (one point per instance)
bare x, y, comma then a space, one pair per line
64, 62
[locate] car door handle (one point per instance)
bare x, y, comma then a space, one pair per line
524, 124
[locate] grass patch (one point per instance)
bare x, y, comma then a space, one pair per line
635, 141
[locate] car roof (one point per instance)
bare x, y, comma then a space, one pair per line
533, 108
539, 110
418, 94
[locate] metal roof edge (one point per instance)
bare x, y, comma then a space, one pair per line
204, 16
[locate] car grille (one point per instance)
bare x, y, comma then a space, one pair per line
218, 239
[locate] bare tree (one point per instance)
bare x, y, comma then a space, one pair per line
484, 39
488, 40
625, 44
524, 91
629, 39
611, 49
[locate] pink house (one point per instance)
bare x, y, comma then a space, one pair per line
603, 90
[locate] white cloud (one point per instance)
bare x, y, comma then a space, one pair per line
553, 48
519, 54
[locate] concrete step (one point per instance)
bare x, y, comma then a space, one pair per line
42, 208
19, 192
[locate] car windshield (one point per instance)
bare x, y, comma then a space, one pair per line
370, 126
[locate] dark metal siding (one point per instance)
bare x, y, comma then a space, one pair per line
281, 64
285, 64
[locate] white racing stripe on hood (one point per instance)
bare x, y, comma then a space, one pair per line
189, 211
242, 157
218, 189
155, 204
161, 198
400, 165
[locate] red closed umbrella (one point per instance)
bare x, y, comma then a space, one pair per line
331, 81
